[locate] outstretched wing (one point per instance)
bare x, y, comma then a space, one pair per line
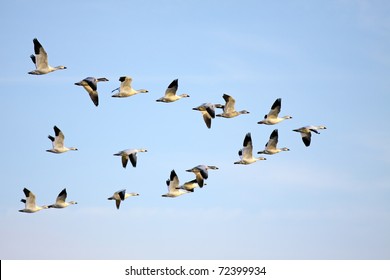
172, 88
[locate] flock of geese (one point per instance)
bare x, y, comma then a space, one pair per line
40, 59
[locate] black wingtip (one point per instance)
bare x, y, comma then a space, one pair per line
37, 45
133, 160
306, 141
277, 103
62, 192
173, 174
211, 112
274, 134
56, 130
33, 58
122, 194
247, 139
26, 192
174, 83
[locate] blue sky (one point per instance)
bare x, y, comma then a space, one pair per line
329, 61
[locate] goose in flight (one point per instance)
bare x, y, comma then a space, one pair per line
173, 186
60, 201
170, 93
40, 60
306, 132
208, 112
58, 142
271, 146
30, 205
129, 154
191, 185
125, 89
90, 85
201, 173
246, 156
228, 109
272, 117
121, 195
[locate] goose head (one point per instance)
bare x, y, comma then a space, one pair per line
60, 67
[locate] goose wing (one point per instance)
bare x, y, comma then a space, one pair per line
62, 196
124, 160
275, 109
273, 140
306, 138
246, 151
59, 139
172, 88
121, 194
173, 182
208, 113
119, 197
125, 84
30, 199
90, 85
230, 103
40, 58
133, 159
91, 88
206, 118
203, 171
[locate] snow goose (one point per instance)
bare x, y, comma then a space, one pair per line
129, 154
170, 93
30, 205
306, 132
121, 195
191, 185
201, 173
208, 112
60, 201
40, 60
90, 85
272, 117
246, 156
173, 186
271, 146
228, 109
125, 89
58, 142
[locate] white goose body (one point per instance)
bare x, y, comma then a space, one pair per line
229, 110
273, 116
41, 61
60, 201
170, 93
129, 154
125, 89
271, 146
30, 204
191, 185
58, 142
246, 153
173, 186
120, 196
